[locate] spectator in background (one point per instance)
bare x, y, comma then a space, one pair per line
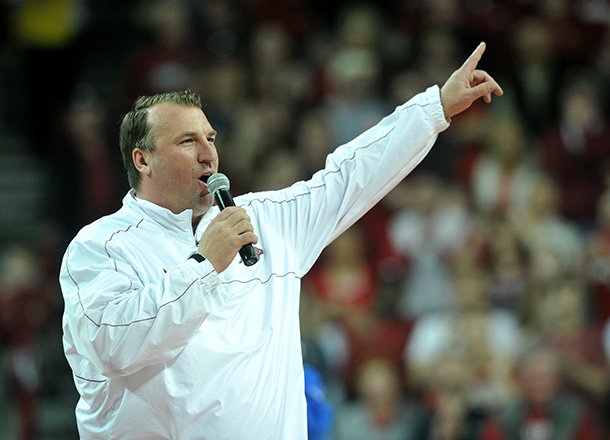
415, 17
87, 174
597, 262
360, 26
343, 278
600, 64
439, 50
504, 172
533, 72
542, 227
508, 264
221, 26
278, 86
276, 72
346, 282
449, 412
351, 75
353, 101
554, 245
312, 139
485, 339
562, 322
166, 57
342, 293
543, 410
429, 224
262, 127
325, 344
380, 409
224, 86
574, 149
577, 27
25, 305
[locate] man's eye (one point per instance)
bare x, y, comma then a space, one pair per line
187, 141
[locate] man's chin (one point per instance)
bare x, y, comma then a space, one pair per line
204, 203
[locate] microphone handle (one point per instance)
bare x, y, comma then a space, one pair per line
247, 252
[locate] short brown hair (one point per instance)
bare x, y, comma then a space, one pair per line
135, 127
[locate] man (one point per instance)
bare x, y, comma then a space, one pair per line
166, 346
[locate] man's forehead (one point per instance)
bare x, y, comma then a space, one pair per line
167, 115
164, 110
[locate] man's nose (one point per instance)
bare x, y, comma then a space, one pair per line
207, 151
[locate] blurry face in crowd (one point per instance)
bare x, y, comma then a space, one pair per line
378, 385
470, 289
562, 308
175, 172
539, 378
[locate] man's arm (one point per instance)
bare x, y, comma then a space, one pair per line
120, 324
360, 173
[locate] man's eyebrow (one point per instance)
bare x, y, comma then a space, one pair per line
184, 134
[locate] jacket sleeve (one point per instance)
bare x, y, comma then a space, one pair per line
356, 176
121, 325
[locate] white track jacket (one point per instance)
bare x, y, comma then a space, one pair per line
163, 347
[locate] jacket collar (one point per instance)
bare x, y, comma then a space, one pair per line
163, 216
205, 221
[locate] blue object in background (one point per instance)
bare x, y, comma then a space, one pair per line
319, 412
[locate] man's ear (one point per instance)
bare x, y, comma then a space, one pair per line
140, 161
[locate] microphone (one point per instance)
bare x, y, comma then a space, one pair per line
218, 185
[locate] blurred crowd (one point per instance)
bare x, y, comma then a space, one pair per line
472, 303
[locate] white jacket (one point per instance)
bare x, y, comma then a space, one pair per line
163, 347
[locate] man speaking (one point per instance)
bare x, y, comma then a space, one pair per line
168, 333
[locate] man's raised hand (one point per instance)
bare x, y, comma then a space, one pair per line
467, 84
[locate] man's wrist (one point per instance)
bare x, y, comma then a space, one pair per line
197, 257
440, 94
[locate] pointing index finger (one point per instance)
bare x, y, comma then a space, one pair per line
471, 62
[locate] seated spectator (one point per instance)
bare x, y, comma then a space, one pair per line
430, 225
574, 150
542, 228
25, 306
597, 261
354, 100
485, 338
86, 176
343, 277
379, 410
450, 413
543, 410
533, 68
508, 265
503, 173
166, 58
562, 323
345, 283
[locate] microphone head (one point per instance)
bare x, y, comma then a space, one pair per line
217, 182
